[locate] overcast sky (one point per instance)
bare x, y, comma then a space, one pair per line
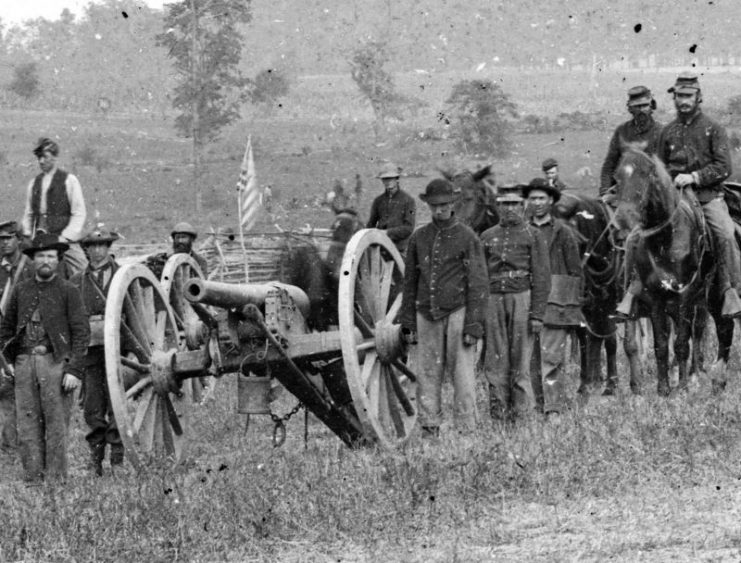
15, 11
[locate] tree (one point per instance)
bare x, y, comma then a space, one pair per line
205, 45
26, 82
479, 111
376, 84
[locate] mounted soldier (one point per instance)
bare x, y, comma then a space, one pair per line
394, 211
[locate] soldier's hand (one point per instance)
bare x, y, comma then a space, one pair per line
683, 180
8, 373
469, 340
409, 336
70, 382
536, 326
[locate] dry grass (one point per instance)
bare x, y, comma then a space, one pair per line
624, 479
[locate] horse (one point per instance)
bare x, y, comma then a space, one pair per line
319, 278
476, 206
673, 261
602, 264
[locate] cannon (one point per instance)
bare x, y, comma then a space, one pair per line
357, 378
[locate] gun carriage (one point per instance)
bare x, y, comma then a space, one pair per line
161, 339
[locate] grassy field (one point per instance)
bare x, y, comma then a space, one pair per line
624, 479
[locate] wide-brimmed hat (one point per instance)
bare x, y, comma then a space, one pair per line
542, 185
440, 191
45, 241
510, 193
99, 236
9, 229
184, 228
686, 82
389, 170
640, 95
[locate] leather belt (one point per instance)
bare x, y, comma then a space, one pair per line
36, 350
512, 274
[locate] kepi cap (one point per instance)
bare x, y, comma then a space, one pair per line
549, 163
686, 82
639, 95
9, 229
510, 194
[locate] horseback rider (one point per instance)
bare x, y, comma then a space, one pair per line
642, 129
394, 211
697, 155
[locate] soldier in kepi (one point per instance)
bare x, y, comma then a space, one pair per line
45, 335
697, 155
14, 267
93, 284
55, 205
394, 211
642, 130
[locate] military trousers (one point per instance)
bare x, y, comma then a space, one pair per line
43, 410
547, 368
723, 231
97, 403
509, 345
8, 434
440, 346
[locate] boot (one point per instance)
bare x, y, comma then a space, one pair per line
625, 308
731, 304
117, 454
97, 453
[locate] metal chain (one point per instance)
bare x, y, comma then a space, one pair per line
279, 431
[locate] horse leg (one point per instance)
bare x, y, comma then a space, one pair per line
682, 344
630, 346
724, 330
585, 371
660, 324
611, 353
699, 323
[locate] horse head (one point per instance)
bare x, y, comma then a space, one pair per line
476, 206
645, 193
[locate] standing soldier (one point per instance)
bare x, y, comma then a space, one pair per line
93, 285
563, 311
550, 169
45, 334
697, 155
443, 308
642, 129
519, 280
394, 210
183, 236
14, 267
55, 205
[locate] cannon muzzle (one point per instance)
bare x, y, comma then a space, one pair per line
230, 296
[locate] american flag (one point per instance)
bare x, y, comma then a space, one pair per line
248, 193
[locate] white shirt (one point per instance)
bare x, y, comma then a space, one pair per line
74, 229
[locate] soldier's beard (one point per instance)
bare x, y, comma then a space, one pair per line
509, 218
643, 121
45, 272
181, 247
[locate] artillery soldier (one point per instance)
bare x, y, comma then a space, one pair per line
563, 311
519, 281
45, 334
443, 304
550, 169
55, 205
393, 211
14, 267
697, 155
642, 129
183, 236
93, 285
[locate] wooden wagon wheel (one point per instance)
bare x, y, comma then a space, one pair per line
178, 269
141, 337
382, 385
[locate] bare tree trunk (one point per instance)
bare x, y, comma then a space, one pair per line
195, 122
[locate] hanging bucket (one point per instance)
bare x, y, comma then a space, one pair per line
253, 394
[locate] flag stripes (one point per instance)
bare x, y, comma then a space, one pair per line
248, 192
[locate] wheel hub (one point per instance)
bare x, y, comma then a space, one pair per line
162, 372
388, 341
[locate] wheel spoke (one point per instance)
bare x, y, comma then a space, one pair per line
144, 369
399, 391
384, 288
393, 311
160, 329
135, 389
391, 403
371, 358
132, 343
148, 311
136, 324
145, 420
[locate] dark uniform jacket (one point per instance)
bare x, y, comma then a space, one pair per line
63, 317
517, 260
564, 298
697, 145
93, 298
626, 133
445, 271
9, 273
395, 214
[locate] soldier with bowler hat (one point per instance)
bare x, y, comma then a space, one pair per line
642, 130
93, 284
443, 308
45, 335
14, 267
519, 281
55, 205
394, 211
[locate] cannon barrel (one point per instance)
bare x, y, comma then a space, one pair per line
229, 295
